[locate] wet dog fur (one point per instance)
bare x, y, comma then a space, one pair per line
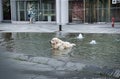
58, 44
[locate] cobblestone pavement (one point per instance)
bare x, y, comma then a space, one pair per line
83, 28
20, 66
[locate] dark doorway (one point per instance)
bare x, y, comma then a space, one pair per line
6, 10
76, 11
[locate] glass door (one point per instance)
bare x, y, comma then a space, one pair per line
23, 8
20, 10
102, 10
42, 10
47, 11
90, 11
97, 11
6, 10
33, 5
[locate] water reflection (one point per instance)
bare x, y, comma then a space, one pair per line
61, 52
7, 41
105, 53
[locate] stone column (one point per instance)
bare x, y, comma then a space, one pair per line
1, 11
13, 10
62, 12
58, 11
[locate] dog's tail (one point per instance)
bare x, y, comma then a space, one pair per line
73, 44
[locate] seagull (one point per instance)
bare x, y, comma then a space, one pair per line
93, 42
80, 36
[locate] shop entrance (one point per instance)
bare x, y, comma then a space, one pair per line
6, 11
97, 11
76, 11
89, 11
43, 10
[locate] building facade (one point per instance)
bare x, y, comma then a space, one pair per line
60, 11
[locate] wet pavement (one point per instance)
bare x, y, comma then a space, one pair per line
19, 66
52, 27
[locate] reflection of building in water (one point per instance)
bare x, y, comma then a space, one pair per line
7, 41
7, 36
61, 11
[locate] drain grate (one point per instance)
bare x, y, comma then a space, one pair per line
112, 73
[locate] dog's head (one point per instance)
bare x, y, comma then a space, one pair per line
55, 41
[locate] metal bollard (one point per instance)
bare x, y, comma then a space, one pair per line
60, 27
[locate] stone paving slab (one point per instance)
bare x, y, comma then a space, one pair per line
52, 68
44, 63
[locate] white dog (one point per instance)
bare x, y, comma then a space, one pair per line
60, 45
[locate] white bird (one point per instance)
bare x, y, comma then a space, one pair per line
93, 42
80, 36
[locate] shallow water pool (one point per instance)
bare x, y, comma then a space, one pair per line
105, 52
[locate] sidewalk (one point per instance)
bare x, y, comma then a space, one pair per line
72, 28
